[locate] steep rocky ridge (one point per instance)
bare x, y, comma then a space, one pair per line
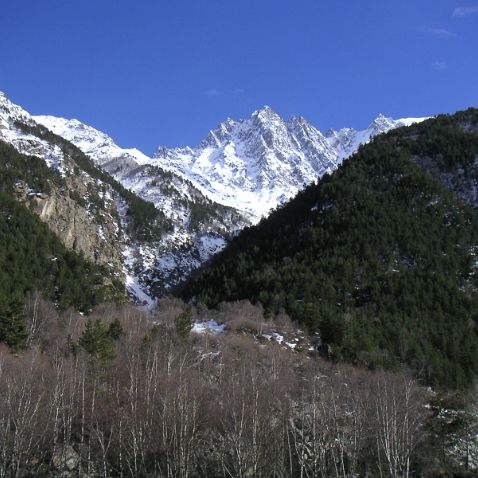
258, 163
197, 226
79, 208
99, 239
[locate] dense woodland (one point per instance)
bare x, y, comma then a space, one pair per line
115, 394
380, 256
33, 258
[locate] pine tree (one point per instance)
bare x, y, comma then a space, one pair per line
12, 324
115, 330
184, 324
97, 342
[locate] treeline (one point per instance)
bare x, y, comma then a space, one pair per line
116, 394
16, 167
447, 148
146, 222
201, 209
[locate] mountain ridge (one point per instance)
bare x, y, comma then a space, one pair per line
240, 172
251, 165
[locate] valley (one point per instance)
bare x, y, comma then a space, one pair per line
273, 265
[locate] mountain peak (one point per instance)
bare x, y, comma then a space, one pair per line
266, 113
96, 144
381, 122
265, 109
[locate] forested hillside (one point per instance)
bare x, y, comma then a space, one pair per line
33, 258
380, 257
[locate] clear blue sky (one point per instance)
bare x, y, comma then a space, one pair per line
157, 72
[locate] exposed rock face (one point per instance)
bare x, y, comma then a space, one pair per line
256, 164
83, 211
347, 140
99, 241
235, 176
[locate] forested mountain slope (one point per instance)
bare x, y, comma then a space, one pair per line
84, 206
380, 257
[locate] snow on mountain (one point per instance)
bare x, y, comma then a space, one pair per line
255, 164
11, 116
92, 142
251, 165
199, 226
347, 140
136, 171
81, 209
235, 176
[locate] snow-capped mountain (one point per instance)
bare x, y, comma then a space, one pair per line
80, 208
347, 140
198, 226
11, 116
255, 164
250, 165
96, 144
235, 176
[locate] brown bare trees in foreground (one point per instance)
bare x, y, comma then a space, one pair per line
133, 399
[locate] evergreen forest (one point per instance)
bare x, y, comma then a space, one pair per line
380, 257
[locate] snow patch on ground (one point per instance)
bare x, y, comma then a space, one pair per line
133, 284
136, 292
209, 326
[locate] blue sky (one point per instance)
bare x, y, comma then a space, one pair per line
155, 72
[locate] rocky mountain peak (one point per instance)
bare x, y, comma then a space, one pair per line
267, 118
218, 137
381, 124
10, 112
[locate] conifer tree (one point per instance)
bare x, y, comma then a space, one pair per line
97, 342
12, 324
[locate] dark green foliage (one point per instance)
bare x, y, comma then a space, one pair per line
33, 171
12, 324
202, 210
380, 257
205, 211
115, 331
97, 341
146, 223
184, 324
33, 258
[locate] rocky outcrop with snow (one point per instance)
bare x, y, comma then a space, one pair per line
253, 165
347, 140
199, 225
250, 165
